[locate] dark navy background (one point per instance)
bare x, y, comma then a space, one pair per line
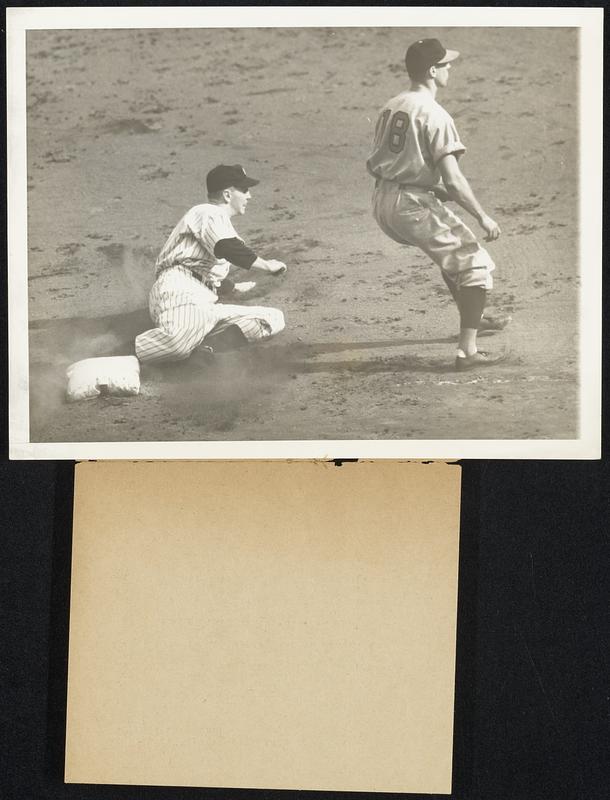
532, 677
532, 685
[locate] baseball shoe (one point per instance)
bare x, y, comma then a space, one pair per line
204, 352
494, 322
476, 360
229, 338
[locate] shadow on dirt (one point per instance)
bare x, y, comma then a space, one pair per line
268, 363
66, 340
206, 393
303, 358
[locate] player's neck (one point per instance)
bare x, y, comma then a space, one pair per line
427, 86
222, 204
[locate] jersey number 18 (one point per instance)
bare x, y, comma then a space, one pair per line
398, 130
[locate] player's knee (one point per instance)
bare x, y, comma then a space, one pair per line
141, 349
180, 345
476, 278
148, 348
161, 346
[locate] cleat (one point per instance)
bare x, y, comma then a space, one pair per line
205, 351
494, 322
476, 360
229, 338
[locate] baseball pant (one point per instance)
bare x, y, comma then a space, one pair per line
417, 217
185, 312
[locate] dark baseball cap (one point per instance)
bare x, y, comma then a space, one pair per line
223, 176
426, 53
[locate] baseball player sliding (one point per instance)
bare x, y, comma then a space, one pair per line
192, 270
415, 162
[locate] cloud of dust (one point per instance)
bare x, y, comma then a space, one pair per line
59, 347
132, 271
136, 268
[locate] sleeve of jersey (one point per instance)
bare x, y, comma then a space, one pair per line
443, 138
210, 226
235, 251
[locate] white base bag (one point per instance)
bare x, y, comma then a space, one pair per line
116, 375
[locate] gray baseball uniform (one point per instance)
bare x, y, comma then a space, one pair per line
413, 134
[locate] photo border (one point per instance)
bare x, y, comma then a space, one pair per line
589, 21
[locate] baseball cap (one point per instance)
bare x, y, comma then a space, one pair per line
425, 53
223, 176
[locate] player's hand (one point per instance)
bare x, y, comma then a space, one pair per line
275, 267
491, 228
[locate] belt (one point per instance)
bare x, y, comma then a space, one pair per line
409, 187
207, 282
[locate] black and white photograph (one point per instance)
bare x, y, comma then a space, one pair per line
257, 232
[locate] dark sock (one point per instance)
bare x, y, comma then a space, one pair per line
471, 304
230, 338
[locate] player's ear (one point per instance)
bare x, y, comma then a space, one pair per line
226, 194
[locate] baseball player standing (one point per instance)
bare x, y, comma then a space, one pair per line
415, 162
192, 269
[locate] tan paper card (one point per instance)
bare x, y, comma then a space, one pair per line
280, 625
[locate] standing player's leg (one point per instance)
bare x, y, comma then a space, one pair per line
420, 219
469, 267
466, 267
451, 285
471, 305
490, 321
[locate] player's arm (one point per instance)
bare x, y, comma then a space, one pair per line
239, 254
459, 191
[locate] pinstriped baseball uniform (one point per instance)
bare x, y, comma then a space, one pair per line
183, 302
413, 134
191, 243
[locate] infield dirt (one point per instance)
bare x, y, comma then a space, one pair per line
123, 126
